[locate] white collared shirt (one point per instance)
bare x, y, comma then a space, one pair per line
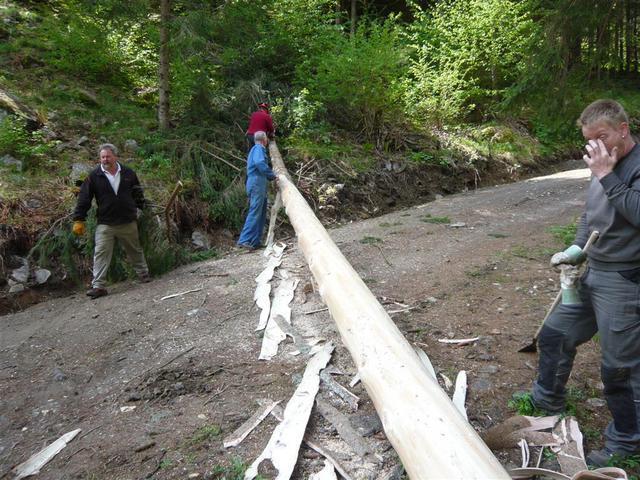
114, 180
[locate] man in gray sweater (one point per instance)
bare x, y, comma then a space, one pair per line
609, 289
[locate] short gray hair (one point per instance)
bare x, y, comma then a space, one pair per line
604, 110
108, 146
259, 136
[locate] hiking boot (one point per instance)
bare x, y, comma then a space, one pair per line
144, 278
246, 246
604, 457
97, 292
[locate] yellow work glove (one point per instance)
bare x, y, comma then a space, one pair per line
78, 228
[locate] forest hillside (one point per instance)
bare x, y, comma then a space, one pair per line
377, 105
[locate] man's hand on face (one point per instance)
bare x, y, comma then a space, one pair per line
598, 159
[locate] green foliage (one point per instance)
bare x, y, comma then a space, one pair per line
522, 403
15, 139
235, 471
630, 464
367, 240
466, 53
565, 234
428, 218
204, 435
82, 49
374, 53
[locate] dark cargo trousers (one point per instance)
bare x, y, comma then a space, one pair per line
610, 306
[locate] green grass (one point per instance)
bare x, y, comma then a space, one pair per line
204, 435
431, 219
630, 464
565, 233
235, 471
522, 403
370, 240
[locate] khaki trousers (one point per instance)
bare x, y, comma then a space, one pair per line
106, 235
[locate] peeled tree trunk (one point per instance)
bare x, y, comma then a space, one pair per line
431, 437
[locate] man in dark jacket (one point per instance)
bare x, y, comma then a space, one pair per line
260, 121
119, 197
608, 301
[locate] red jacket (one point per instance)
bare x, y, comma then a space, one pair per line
260, 121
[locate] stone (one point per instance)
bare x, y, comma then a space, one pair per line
9, 161
33, 203
58, 375
21, 275
439, 197
41, 275
200, 240
87, 96
134, 397
366, 424
160, 416
395, 473
489, 369
80, 171
130, 145
480, 385
485, 357
16, 287
596, 402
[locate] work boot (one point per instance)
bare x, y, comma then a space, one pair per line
97, 292
605, 456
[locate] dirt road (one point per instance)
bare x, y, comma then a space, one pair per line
473, 264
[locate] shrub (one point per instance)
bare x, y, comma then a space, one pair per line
337, 81
16, 140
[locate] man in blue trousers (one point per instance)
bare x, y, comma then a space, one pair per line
258, 174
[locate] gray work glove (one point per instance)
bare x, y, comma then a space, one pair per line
568, 283
571, 256
138, 213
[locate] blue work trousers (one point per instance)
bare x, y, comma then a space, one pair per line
610, 306
257, 216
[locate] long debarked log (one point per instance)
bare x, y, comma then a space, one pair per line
431, 437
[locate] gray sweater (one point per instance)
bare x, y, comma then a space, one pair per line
613, 208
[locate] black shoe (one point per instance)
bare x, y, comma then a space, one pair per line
97, 292
606, 456
144, 278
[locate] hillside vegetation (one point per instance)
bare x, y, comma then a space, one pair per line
399, 102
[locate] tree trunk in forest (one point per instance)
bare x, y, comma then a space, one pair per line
163, 89
628, 30
354, 14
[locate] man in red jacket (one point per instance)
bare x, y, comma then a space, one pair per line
260, 121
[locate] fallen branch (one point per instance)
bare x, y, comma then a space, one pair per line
348, 397
226, 162
46, 234
340, 421
181, 293
459, 341
245, 429
316, 311
167, 209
